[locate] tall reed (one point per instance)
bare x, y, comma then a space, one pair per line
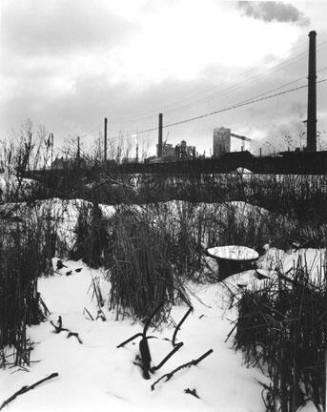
282, 329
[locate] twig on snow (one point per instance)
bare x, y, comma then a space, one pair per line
192, 392
170, 354
76, 336
25, 389
129, 340
193, 362
88, 313
180, 324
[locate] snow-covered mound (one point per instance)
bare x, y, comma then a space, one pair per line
276, 261
313, 260
62, 214
10, 185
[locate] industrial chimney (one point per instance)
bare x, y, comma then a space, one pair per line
159, 147
312, 96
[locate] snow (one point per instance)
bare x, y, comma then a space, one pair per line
233, 252
9, 185
62, 213
313, 259
96, 376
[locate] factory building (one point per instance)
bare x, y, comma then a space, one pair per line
221, 141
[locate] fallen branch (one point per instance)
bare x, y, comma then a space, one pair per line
230, 333
148, 322
145, 357
25, 389
197, 298
192, 392
88, 313
76, 336
180, 324
170, 354
129, 340
45, 308
59, 328
193, 362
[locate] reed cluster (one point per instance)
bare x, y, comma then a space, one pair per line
282, 329
26, 249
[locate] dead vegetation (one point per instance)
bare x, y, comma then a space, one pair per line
282, 329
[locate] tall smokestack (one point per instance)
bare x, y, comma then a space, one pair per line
159, 148
105, 139
312, 96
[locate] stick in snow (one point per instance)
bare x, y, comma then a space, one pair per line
192, 392
76, 336
170, 354
88, 314
180, 324
58, 328
129, 340
25, 389
193, 362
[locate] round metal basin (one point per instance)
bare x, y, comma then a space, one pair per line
233, 259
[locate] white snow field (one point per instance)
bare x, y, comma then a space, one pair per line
96, 376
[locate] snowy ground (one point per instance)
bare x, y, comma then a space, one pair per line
96, 376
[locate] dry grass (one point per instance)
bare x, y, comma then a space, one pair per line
141, 273
26, 248
282, 329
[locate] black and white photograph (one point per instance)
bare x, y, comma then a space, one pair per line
163, 206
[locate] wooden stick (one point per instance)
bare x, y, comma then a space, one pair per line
25, 389
129, 340
148, 322
88, 313
192, 392
170, 354
193, 362
76, 336
180, 324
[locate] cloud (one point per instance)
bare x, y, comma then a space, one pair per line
273, 11
61, 27
70, 63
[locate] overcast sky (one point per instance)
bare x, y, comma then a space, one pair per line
67, 64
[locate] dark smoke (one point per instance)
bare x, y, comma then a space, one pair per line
273, 11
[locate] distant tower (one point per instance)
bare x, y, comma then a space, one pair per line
312, 96
159, 145
221, 141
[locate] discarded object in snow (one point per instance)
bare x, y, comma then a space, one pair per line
25, 389
233, 259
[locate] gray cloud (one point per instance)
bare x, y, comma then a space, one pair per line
42, 42
273, 11
60, 28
